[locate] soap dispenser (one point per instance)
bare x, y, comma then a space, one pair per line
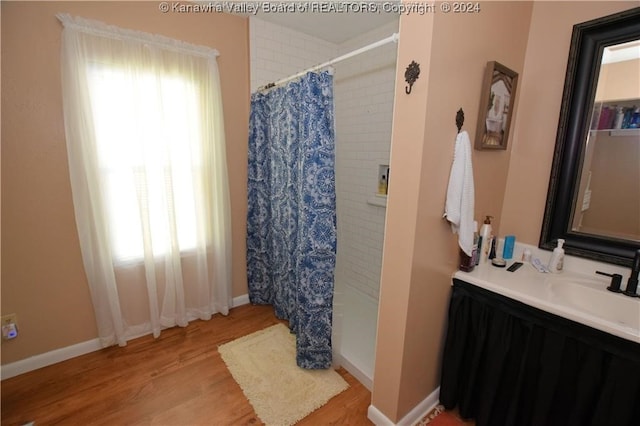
557, 258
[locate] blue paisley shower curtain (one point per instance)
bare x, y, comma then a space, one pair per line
291, 222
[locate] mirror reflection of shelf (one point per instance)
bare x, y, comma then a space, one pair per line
624, 132
618, 132
616, 115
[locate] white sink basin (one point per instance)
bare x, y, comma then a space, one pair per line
591, 297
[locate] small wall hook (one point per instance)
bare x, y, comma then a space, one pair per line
411, 75
459, 119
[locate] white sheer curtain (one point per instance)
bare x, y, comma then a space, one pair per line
146, 149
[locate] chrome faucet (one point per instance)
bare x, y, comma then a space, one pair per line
632, 282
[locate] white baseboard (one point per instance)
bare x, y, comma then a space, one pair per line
48, 358
240, 300
377, 417
412, 417
356, 372
58, 355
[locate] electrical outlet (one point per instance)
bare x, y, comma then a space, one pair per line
9, 326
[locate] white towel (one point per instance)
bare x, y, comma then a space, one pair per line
460, 194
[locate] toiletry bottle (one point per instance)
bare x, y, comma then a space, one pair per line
467, 263
635, 118
557, 258
476, 240
619, 117
626, 120
493, 248
485, 234
382, 185
509, 245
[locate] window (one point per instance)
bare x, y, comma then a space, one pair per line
147, 139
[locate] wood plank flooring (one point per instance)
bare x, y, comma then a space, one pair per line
177, 379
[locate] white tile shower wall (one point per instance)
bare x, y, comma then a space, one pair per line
363, 113
278, 52
364, 92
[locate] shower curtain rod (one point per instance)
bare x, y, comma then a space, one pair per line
392, 38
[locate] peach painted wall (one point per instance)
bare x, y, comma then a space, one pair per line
619, 81
43, 279
420, 252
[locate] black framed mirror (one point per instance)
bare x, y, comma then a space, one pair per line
580, 120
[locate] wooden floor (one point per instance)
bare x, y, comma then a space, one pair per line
177, 379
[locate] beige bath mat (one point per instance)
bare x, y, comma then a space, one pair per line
281, 393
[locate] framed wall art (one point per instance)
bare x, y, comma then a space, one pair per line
496, 107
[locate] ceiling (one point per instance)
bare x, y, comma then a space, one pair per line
621, 52
333, 27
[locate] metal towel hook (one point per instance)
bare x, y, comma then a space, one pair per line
411, 75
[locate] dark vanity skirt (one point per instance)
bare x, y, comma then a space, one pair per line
506, 363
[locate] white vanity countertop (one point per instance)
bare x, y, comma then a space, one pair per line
580, 297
